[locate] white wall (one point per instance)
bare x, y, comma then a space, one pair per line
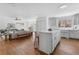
3, 22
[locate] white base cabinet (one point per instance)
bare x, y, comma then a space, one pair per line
74, 34
70, 33
48, 41
65, 33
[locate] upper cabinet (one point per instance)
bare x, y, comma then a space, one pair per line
52, 22
45, 23
41, 24
76, 19
65, 22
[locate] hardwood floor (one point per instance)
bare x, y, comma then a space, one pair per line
67, 47
24, 46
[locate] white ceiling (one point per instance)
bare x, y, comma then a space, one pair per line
36, 9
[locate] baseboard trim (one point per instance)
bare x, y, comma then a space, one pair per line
69, 38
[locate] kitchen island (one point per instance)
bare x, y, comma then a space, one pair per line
46, 41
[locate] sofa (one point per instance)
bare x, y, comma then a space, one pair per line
19, 34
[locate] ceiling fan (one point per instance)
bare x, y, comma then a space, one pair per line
17, 18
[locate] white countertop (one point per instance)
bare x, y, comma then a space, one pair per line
47, 31
75, 27
66, 28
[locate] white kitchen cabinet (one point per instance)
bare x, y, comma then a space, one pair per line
41, 24
74, 34
45, 23
76, 19
70, 33
45, 40
65, 33
48, 41
65, 21
52, 22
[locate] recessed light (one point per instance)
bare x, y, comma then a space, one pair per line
63, 6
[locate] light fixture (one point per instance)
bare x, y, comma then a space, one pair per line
63, 6
17, 18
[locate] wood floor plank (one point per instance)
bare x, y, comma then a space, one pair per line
67, 47
25, 46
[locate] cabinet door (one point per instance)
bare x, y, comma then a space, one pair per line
52, 22
64, 33
41, 24
76, 19
45, 42
56, 39
74, 34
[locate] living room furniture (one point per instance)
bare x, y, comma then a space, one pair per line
19, 34
14, 33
